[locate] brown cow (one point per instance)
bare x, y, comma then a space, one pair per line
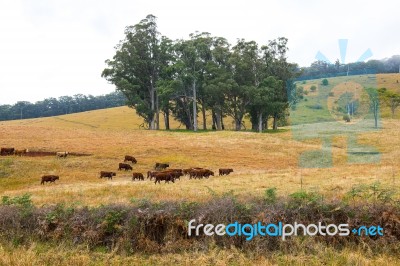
163, 176
124, 166
6, 151
161, 166
175, 173
109, 175
151, 174
200, 173
130, 158
49, 178
138, 176
20, 152
225, 171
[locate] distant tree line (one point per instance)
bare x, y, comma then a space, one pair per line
202, 74
62, 105
322, 69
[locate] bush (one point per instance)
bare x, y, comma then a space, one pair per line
331, 94
313, 88
346, 118
305, 92
270, 195
325, 82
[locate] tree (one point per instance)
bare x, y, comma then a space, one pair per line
373, 100
325, 82
391, 99
135, 69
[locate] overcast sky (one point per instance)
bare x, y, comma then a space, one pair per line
55, 48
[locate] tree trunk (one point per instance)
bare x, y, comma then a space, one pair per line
214, 120
203, 110
152, 120
238, 123
157, 113
260, 123
222, 122
275, 122
194, 106
218, 119
166, 119
376, 106
266, 123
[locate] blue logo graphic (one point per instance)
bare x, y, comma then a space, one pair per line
339, 103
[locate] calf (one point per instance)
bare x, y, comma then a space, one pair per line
161, 166
225, 171
109, 175
138, 176
130, 158
62, 154
49, 178
20, 152
163, 176
6, 151
124, 166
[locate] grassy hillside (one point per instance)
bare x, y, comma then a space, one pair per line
260, 162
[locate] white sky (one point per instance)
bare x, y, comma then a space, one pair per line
55, 48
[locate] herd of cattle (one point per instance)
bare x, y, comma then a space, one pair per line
160, 172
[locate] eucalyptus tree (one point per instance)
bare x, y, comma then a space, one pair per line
135, 68
245, 64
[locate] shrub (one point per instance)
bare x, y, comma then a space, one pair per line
325, 82
305, 92
313, 88
346, 118
270, 195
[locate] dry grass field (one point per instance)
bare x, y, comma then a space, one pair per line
260, 161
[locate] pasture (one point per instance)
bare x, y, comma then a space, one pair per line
98, 141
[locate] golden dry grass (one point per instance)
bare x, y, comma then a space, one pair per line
260, 161
37, 254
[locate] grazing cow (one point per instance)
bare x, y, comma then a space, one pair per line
225, 171
130, 158
175, 173
62, 154
200, 173
138, 176
161, 166
49, 178
124, 166
21, 152
109, 175
163, 176
151, 174
6, 151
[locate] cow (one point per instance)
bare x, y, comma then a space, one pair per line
6, 151
62, 154
163, 176
151, 174
130, 158
138, 176
49, 178
200, 173
109, 175
20, 152
161, 166
175, 173
124, 166
225, 171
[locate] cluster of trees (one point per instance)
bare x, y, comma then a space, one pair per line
60, 106
205, 73
320, 69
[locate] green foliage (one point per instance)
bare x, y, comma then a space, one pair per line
270, 195
23, 201
112, 221
301, 198
313, 88
325, 82
346, 118
331, 94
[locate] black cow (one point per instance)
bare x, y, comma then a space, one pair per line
49, 178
